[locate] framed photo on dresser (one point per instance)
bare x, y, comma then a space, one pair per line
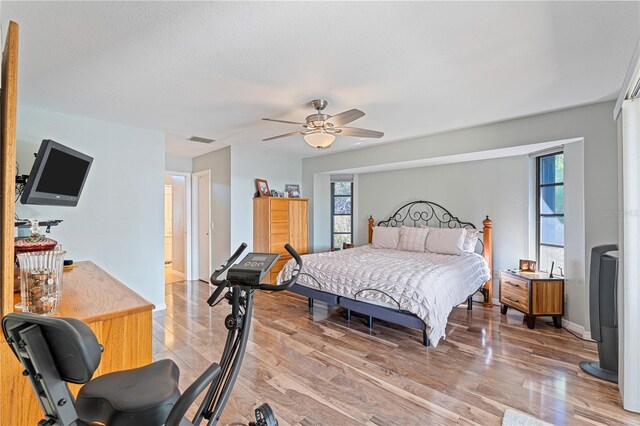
292, 190
263, 188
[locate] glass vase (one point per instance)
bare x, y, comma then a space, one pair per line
41, 281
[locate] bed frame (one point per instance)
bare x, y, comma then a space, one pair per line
415, 213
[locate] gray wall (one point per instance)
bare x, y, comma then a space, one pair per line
247, 165
593, 123
174, 163
457, 188
219, 162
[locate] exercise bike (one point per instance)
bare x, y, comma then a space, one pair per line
57, 351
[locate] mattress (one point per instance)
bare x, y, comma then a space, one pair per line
429, 285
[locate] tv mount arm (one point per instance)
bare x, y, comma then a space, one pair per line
23, 223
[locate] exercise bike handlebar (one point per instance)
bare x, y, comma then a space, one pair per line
214, 277
222, 284
294, 276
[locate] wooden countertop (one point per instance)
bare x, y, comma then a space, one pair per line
91, 294
541, 276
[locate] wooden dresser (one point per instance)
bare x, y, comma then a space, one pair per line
534, 294
120, 318
278, 221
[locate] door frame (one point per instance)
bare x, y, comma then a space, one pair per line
188, 220
194, 229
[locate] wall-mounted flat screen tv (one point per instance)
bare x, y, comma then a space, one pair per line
57, 177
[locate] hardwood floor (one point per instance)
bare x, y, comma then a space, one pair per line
315, 368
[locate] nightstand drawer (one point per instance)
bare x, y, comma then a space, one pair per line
514, 298
515, 284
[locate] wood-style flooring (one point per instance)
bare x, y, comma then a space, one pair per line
315, 368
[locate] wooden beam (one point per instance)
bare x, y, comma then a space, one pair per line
487, 228
8, 113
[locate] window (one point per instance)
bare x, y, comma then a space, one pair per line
550, 211
341, 213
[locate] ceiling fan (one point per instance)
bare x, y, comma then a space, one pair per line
321, 129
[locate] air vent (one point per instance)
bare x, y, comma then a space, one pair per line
200, 140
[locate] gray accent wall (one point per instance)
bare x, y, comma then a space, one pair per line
219, 162
599, 167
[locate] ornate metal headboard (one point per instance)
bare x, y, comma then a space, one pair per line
432, 214
426, 213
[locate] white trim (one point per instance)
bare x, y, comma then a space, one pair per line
187, 212
577, 328
496, 302
160, 307
633, 74
629, 290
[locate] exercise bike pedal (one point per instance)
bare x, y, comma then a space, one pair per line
264, 416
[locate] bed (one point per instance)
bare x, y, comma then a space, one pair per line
412, 289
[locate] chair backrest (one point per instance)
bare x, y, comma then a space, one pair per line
72, 344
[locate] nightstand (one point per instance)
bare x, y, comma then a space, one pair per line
534, 294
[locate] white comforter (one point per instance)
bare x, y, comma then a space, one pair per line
426, 284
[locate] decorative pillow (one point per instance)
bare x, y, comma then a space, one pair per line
446, 241
413, 239
385, 238
471, 240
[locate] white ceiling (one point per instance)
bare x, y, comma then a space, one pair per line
215, 69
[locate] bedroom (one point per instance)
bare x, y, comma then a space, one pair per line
468, 96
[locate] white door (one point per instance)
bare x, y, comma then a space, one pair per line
204, 226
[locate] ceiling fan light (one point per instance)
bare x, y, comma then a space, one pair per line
319, 140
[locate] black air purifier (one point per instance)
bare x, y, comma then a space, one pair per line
603, 282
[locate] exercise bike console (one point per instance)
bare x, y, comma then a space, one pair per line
252, 269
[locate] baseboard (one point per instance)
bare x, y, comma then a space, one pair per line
496, 302
160, 307
576, 328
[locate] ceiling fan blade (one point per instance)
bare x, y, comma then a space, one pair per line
283, 121
363, 133
283, 136
345, 117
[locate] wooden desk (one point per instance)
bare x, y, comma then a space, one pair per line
120, 318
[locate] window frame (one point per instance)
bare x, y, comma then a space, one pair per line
540, 215
333, 201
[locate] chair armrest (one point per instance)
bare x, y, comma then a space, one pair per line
176, 416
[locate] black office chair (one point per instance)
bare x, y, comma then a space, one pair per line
57, 351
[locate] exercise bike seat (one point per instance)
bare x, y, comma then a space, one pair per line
139, 397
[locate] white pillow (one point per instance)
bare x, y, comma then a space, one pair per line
413, 239
446, 241
471, 240
385, 237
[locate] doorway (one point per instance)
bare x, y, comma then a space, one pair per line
201, 188
177, 224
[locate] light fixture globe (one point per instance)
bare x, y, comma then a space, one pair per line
319, 139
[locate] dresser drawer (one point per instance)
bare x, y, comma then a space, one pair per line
514, 297
280, 228
279, 216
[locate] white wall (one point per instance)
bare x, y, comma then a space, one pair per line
593, 123
246, 166
174, 163
118, 223
219, 162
